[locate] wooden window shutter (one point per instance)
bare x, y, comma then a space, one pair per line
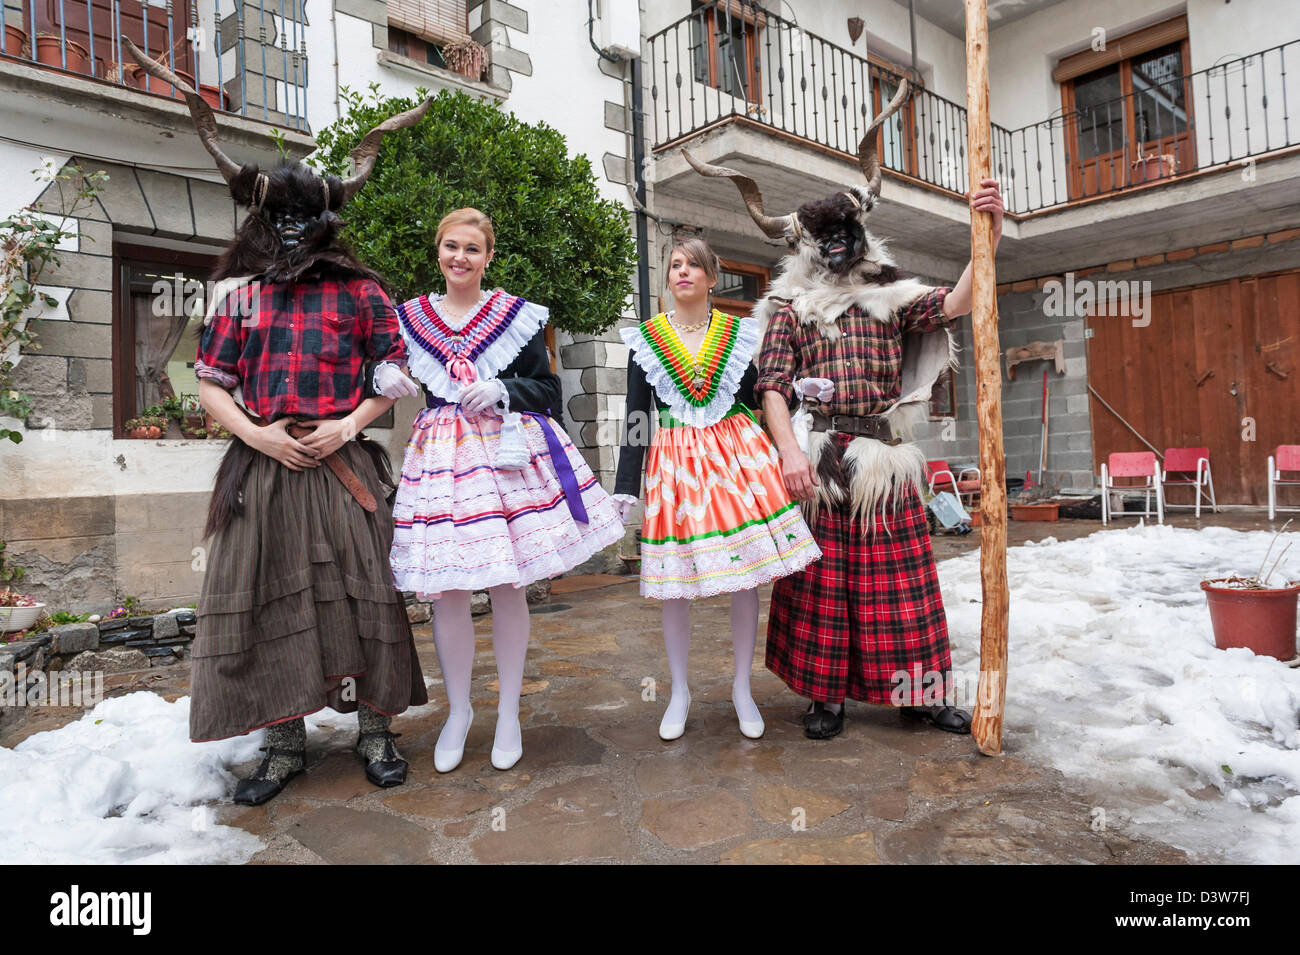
1170, 31
444, 20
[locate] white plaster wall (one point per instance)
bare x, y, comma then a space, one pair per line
21, 188
60, 463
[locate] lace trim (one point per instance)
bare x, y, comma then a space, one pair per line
729, 375
511, 323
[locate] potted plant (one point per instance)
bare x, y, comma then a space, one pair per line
51, 48
1034, 504
1152, 166
466, 58
146, 426
215, 96
18, 611
1247, 612
16, 41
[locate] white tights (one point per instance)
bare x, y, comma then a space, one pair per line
453, 635
744, 637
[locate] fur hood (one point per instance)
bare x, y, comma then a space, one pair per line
819, 295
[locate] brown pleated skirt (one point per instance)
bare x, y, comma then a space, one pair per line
298, 609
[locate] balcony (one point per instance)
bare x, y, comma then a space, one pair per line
743, 78
247, 58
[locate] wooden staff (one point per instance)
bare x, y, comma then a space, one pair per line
987, 724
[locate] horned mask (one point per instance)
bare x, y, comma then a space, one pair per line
832, 231
292, 210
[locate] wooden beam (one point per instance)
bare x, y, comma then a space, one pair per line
986, 727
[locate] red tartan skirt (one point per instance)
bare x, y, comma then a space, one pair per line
868, 611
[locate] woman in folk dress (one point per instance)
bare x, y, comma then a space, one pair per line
493, 493
717, 516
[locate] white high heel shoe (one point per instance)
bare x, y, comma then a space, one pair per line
752, 729
447, 758
506, 758
671, 731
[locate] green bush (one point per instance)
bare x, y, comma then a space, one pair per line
558, 242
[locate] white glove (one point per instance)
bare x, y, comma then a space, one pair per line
389, 381
624, 504
819, 389
478, 396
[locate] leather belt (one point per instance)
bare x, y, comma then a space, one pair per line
863, 426
354, 485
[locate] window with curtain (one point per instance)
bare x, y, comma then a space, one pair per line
158, 316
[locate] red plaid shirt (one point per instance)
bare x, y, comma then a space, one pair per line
865, 362
300, 348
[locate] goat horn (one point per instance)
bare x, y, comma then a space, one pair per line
204, 122
367, 152
868, 157
773, 226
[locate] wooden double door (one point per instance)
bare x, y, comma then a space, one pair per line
1218, 366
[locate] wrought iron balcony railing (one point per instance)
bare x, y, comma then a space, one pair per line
247, 57
733, 60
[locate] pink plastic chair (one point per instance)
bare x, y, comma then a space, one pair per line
1284, 460
1192, 467
1133, 464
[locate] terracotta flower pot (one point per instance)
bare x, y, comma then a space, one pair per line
15, 41
1262, 621
1035, 512
138, 433
216, 98
151, 84
1150, 170
50, 52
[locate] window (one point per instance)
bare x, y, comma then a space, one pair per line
898, 134
1128, 110
157, 319
943, 396
740, 285
410, 45
417, 28
724, 45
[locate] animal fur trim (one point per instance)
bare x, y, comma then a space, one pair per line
869, 477
821, 296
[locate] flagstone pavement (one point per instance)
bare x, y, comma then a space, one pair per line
596, 784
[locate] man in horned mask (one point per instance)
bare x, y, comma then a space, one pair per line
298, 609
844, 327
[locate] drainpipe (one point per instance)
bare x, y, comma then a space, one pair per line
638, 168
911, 19
334, 31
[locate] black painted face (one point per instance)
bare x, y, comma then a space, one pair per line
291, 227
842, 245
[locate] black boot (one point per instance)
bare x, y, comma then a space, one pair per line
384, 765
286, 757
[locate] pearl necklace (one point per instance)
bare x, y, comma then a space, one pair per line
672, 316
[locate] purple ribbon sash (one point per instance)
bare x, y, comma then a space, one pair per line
559, 460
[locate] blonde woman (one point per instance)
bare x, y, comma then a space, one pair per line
493, 493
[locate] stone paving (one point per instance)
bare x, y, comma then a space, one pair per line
596, 784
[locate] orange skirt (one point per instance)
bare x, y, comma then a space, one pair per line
717, 515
